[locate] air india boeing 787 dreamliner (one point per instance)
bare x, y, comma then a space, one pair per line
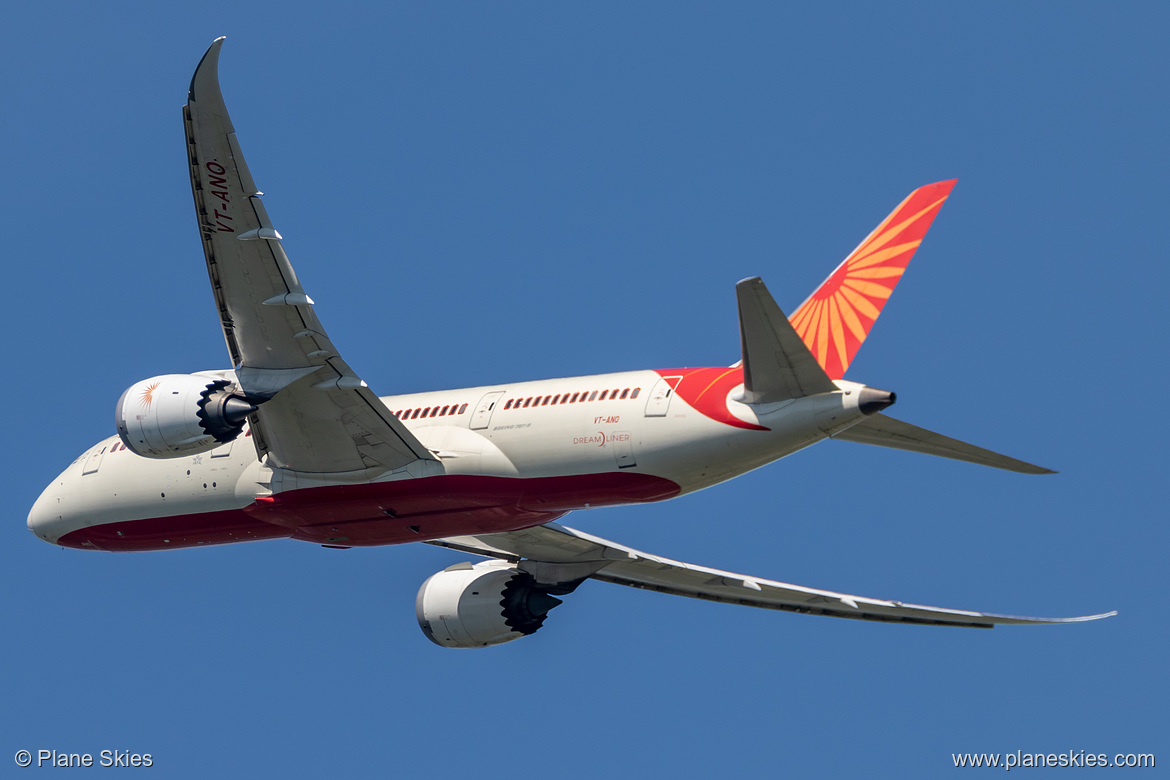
291, 443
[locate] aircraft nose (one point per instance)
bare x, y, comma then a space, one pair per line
45, 518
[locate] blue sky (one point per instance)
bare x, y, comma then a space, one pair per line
479, 193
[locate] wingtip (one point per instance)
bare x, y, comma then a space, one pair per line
209, 61
1109, 614
1039, 621
1080, 618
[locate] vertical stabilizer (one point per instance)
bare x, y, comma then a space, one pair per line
835, 319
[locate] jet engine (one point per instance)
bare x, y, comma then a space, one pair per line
180, 414
486, 604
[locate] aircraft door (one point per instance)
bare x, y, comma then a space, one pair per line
660, 395
483, 413
94, 461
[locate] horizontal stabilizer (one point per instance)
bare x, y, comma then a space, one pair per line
885, 431
777, 365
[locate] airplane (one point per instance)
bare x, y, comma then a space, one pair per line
291, 443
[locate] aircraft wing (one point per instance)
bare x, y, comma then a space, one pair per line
548, 550
320, 417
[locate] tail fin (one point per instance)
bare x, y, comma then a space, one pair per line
835, 319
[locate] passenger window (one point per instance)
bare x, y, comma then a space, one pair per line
573, 400
625, 393
445, 410
555, 397
463, 409
634, 394
546, 400
508, 405
593, 396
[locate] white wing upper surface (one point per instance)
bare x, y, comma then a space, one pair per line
321, 418
569, 550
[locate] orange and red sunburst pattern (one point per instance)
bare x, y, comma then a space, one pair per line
147, 395
835, 320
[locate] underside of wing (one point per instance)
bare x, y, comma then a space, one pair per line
315, 414
552, 551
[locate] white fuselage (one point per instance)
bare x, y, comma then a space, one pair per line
511, 455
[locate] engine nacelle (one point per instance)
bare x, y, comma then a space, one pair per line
180, 414
477, 606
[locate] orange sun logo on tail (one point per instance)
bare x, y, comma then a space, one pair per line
835, 320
